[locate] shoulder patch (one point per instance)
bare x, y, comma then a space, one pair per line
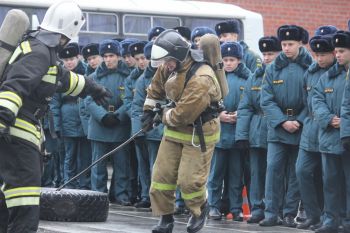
255, 88
280, 81
328, 90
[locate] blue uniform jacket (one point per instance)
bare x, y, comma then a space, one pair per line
251, 122
66, 111
251, 59
137, 105
309, 135
114, 81
236, 81
130, 83
283, 96
345, 111
326, 103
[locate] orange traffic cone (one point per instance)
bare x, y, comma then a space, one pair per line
245, 205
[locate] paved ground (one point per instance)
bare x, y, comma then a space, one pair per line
128, 220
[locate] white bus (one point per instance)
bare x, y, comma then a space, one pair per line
133, 18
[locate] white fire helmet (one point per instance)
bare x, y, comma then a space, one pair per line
64, 17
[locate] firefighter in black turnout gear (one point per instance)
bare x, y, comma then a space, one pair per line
29, 81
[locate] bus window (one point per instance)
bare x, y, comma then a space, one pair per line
136, 24
98, 22
166, 22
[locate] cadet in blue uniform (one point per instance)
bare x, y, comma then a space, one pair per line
136, 50
227, 157
125, 53
326, 103
198, 32
109, 125
92, 57
251, 131
28, 85
77, 148
283, 101
309, 163
229, 31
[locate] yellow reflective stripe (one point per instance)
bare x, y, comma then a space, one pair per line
27, 131
22, 201
28, 127
49, 79
73, 83
2, 125
22, 191
26, 47
9, 105
80, 86
52, 70
163, 187
25, 135
11, 96
188, 137
15, 54
189, 196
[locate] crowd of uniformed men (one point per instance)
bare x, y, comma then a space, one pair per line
285, 130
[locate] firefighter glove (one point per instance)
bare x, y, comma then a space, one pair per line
110, 120
346, 143
147, 120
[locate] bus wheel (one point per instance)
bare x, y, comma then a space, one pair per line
73, 205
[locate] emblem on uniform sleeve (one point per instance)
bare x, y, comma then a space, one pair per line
328, 90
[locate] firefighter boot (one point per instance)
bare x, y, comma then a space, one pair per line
195, 224
165, 224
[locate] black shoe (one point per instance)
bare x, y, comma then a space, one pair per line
195, 224
327, 229
214, 213
255, 219
122, 202
288, 221
316, 226
269, 222
307, 223
144, 203
237, 217
165, 224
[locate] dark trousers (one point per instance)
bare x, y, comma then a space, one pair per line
20, 167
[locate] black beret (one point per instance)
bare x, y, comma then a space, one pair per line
184, 32
269, 44
90, 50
71, 50
137, 47
229, 26
321, 44
326, 30
155, 31
125, 45
231, 49
293, 32
341, 39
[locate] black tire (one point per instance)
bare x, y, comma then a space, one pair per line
72, 205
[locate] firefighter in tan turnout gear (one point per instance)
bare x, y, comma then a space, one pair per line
191, 129
29, 81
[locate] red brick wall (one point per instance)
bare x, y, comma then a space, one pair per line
306, 13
